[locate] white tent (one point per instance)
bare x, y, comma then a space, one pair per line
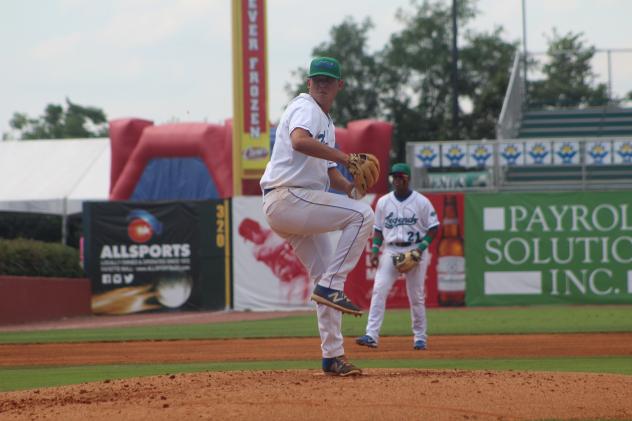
53, 176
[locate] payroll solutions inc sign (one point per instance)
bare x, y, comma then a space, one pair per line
545, 248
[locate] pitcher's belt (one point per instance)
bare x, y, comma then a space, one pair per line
266, 191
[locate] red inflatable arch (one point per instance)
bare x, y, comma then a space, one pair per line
209, 142
135, 142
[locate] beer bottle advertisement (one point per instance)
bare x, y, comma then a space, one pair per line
450, 253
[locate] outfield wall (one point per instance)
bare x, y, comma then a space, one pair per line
548, 248
267, 275
29, 299
519, 249
509, 249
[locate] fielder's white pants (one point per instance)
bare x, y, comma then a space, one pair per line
385, 278
304, 218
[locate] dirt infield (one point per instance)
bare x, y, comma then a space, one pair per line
282, 349
380, 394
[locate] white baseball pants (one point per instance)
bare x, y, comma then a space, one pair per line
304, 218
385, 278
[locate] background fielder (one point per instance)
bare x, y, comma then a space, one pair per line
404, 220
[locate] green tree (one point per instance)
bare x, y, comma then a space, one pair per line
408, 81
569, 80
416, 90
75, 121
360, 69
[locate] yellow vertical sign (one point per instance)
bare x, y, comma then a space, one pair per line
251, 127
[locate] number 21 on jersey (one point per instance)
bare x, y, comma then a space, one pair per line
414, 237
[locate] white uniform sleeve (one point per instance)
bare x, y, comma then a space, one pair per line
379, 215
429, 215
307, 117
304, 117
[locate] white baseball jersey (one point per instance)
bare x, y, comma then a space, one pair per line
407, 221
288, 168
403, 224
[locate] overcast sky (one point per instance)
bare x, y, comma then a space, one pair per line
167, 60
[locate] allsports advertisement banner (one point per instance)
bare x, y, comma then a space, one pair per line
150, 256
545, 248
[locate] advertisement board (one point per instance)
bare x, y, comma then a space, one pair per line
269, 276
445, 278
150, 256
459, 180
545, 248
251, 127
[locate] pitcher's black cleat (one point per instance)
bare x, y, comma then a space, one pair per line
339, 366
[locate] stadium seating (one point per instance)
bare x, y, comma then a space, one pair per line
568, 176
587, 122
610, 122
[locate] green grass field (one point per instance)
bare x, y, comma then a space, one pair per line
461, 321
466, 321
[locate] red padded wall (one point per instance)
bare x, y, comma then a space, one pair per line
29, 299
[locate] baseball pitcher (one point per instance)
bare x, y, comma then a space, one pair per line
299, 208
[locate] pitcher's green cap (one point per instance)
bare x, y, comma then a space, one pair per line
400, 168
325, 66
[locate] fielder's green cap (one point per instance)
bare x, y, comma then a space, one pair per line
400, 168
325, 66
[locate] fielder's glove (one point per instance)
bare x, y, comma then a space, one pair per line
406, 261
365, 169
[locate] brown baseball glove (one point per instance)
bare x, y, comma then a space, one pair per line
365, 169
406, 261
